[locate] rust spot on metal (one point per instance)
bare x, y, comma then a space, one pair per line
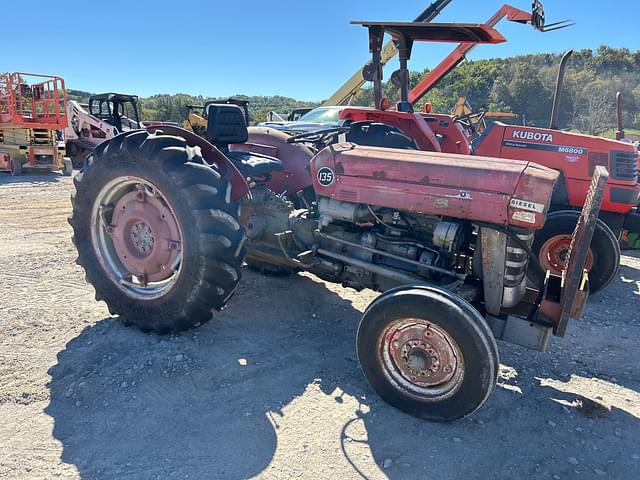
442, 203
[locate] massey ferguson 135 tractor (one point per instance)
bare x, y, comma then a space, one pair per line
163, 219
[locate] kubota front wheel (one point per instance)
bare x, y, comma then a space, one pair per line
156, 232
551, 245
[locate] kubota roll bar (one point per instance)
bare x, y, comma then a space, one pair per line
405, 34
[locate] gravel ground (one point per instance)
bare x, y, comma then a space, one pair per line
271, 387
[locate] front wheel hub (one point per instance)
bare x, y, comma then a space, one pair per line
554, 254
145, 235
422, 354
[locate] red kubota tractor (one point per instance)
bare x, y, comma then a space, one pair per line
163, 219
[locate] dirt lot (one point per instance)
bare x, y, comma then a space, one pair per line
271, 388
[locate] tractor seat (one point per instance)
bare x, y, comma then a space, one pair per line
226, 125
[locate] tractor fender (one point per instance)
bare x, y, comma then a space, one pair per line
213, 156
295, 158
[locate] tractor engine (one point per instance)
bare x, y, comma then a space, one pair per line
363, 246
380, 248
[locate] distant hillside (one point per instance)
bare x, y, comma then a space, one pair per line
522, 85
525, 85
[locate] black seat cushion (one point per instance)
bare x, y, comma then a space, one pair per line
254, 165
226, 124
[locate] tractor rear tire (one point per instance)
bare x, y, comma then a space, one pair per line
169, 179
16, 167
551, 243
428, 352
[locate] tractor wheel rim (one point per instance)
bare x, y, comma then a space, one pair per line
422, 358
137, 238
554, 252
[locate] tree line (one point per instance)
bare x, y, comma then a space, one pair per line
523, 85
173, 107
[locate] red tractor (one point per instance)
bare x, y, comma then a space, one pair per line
163, 220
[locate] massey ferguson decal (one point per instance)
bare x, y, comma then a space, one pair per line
462, 194
542, 141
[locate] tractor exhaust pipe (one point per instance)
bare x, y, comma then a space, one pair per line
557, 96
619, 130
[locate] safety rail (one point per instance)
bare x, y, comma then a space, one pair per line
40, 103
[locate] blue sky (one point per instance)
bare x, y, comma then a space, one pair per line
299, 48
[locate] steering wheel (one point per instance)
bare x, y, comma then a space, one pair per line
469, 122
318, 137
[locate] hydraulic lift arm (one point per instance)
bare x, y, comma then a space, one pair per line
355, 83
513, 14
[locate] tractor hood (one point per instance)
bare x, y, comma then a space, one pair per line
482, 189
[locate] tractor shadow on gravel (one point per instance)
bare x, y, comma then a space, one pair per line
209, 403
204, 403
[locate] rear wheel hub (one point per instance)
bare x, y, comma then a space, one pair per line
137, 237
145, 235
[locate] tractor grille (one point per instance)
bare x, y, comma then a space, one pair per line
349, 195
624, 166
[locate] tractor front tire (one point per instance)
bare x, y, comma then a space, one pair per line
428, 352
156, 232
552, 242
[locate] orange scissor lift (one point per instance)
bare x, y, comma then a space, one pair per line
32, 117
